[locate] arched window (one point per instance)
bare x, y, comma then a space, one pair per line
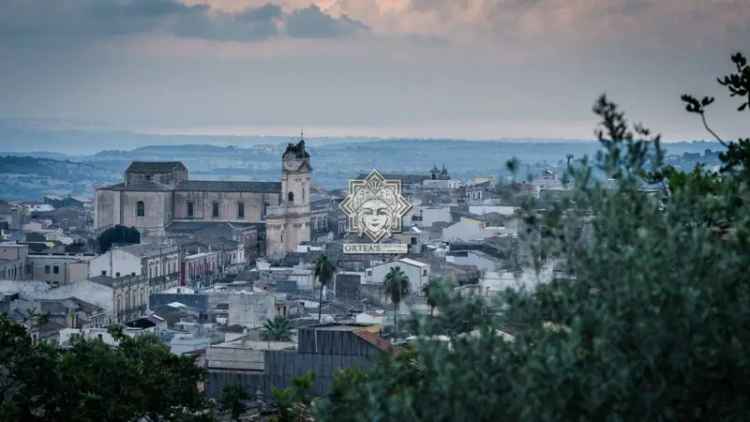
140, 209
290, 196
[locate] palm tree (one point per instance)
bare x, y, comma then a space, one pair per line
277, 329
429, 291
396, 287
324, 271
435, 292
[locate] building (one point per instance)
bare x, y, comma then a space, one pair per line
323, 349
348, 285
155, 195
13, 261
288, 223
129, 295
417, 272
199, 269
59, 268
472, 228
427, 215
159, 264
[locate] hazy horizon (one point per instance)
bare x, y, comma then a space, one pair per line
475, 69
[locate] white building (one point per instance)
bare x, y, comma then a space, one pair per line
149, 260
426, 216
468, 229
492, 209
417, 272
441, 184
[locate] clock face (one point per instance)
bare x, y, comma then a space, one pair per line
292, 164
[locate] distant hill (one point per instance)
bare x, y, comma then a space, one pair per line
28, 178
334, 161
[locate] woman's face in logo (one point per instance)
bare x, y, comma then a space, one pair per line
374, 215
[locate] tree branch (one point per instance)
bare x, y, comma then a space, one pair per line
705, 124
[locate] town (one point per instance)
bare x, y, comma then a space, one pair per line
209, 266
374, 210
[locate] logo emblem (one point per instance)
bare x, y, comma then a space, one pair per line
375, 206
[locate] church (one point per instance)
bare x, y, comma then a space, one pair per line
155, 195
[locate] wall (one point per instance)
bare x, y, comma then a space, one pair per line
465, 230
13, 251
115, 261
69, 268
482, 261
281, 367
203, 205
431, 215
158, 211
417, 278
251, 310
13, 270
107, 210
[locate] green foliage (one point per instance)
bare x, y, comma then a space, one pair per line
117, 235
277, 329
231, 401
294, 402
436, 292
396, 287
95, 382
648, 321
324, 272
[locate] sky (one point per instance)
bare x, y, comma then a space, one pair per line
474, 69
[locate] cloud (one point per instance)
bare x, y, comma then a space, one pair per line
311, 22
67, 22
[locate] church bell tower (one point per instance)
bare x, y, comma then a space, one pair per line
288, 225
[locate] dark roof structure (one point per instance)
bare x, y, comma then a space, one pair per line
223, 186
406, 179
199, 186
140, 186
155, 166
298, 150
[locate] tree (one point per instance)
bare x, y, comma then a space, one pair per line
435, 292
737, 156
91, 381
231, 401
277, 329
117, 235
294, 402
648, 320
324, 271
396, 288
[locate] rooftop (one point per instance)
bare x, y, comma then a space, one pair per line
147, 249
229, 186
155, 166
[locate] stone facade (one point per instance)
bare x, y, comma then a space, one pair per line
155, 195
288, 224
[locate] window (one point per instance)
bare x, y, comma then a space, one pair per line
140, 209
104, 272
46, 269
190, 209
240, 210
215, 210
290, 196
56, 269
